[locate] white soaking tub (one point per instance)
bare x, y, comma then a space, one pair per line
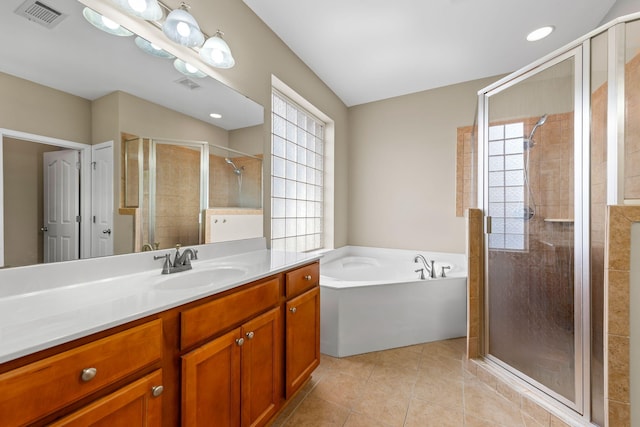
372, 299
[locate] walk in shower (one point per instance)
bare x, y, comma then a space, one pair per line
558, 141
174, 187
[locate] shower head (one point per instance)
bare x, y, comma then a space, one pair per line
236, 170
529, 142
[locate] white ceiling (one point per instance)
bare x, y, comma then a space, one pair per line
77, 58
377, 49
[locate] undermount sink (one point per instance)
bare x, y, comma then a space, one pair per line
201, 277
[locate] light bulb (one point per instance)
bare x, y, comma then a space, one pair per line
138, 5
154, 47
191, 68
183, 29
109, 23
217, 56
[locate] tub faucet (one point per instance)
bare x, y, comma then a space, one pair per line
430, 267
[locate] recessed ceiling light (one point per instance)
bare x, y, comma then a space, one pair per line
540, 33
216, 115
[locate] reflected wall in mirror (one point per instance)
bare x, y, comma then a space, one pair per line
79, 84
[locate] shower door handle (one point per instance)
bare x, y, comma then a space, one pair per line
487, 224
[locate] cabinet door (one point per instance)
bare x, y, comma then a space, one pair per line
303, 338
136, 405
261, 368
211, 383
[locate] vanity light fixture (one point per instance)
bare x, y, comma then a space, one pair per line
105, 24
215, 115
145, 9
152, 49
188, 69
182, 28
540, 33
216, 52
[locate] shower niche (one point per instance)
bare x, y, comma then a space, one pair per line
189, 192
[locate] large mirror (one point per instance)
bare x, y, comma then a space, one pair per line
67, 87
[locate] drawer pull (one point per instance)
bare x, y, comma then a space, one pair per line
307, 277
293, 310
250, 335
240, 341
157, 390
88, 374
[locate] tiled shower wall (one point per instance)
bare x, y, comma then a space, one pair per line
224, 186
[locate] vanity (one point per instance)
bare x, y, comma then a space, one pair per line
144, 348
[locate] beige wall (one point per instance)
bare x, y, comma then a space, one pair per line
248, 140
29, 107
402, 169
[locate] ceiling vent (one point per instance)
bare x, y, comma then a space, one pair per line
188, 83
39, 12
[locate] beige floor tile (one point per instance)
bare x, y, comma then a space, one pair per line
471, 421
341, 389
397, 378
404, 357
315, 412
425, 414
384, 403
440, 391
360, 420
483, 402
359, 366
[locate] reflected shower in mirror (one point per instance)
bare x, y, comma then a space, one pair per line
72, 82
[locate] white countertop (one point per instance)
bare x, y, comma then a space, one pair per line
43, 317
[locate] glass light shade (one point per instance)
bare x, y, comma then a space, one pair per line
183, 29
152, 49
105, 24
145, 9
216, 52
188, 69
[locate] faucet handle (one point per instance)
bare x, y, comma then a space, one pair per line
166, 267
445, 267
421, 271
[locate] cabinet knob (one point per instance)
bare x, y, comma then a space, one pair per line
293, 310
157, 390
240, 341
250, 335
88, 374
307, 277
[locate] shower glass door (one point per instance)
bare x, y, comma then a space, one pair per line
532, 300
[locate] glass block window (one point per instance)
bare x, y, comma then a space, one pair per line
297, 147
507, 187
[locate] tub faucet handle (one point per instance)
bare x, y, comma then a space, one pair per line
421, 271
445, 267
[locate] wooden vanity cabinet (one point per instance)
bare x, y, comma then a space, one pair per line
235, 379
302, 339
48, 386
138, 404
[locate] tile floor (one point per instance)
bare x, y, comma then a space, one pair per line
417, 386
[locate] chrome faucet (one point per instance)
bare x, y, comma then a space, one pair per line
430, 267
181, 262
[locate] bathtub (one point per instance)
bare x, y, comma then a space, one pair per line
372, 299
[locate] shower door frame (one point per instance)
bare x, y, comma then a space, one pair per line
581, 55
203, 146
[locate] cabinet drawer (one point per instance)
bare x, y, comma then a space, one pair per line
34, 390
303, 278
207, 320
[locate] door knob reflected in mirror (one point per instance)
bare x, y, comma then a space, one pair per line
107, 231
44, 229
